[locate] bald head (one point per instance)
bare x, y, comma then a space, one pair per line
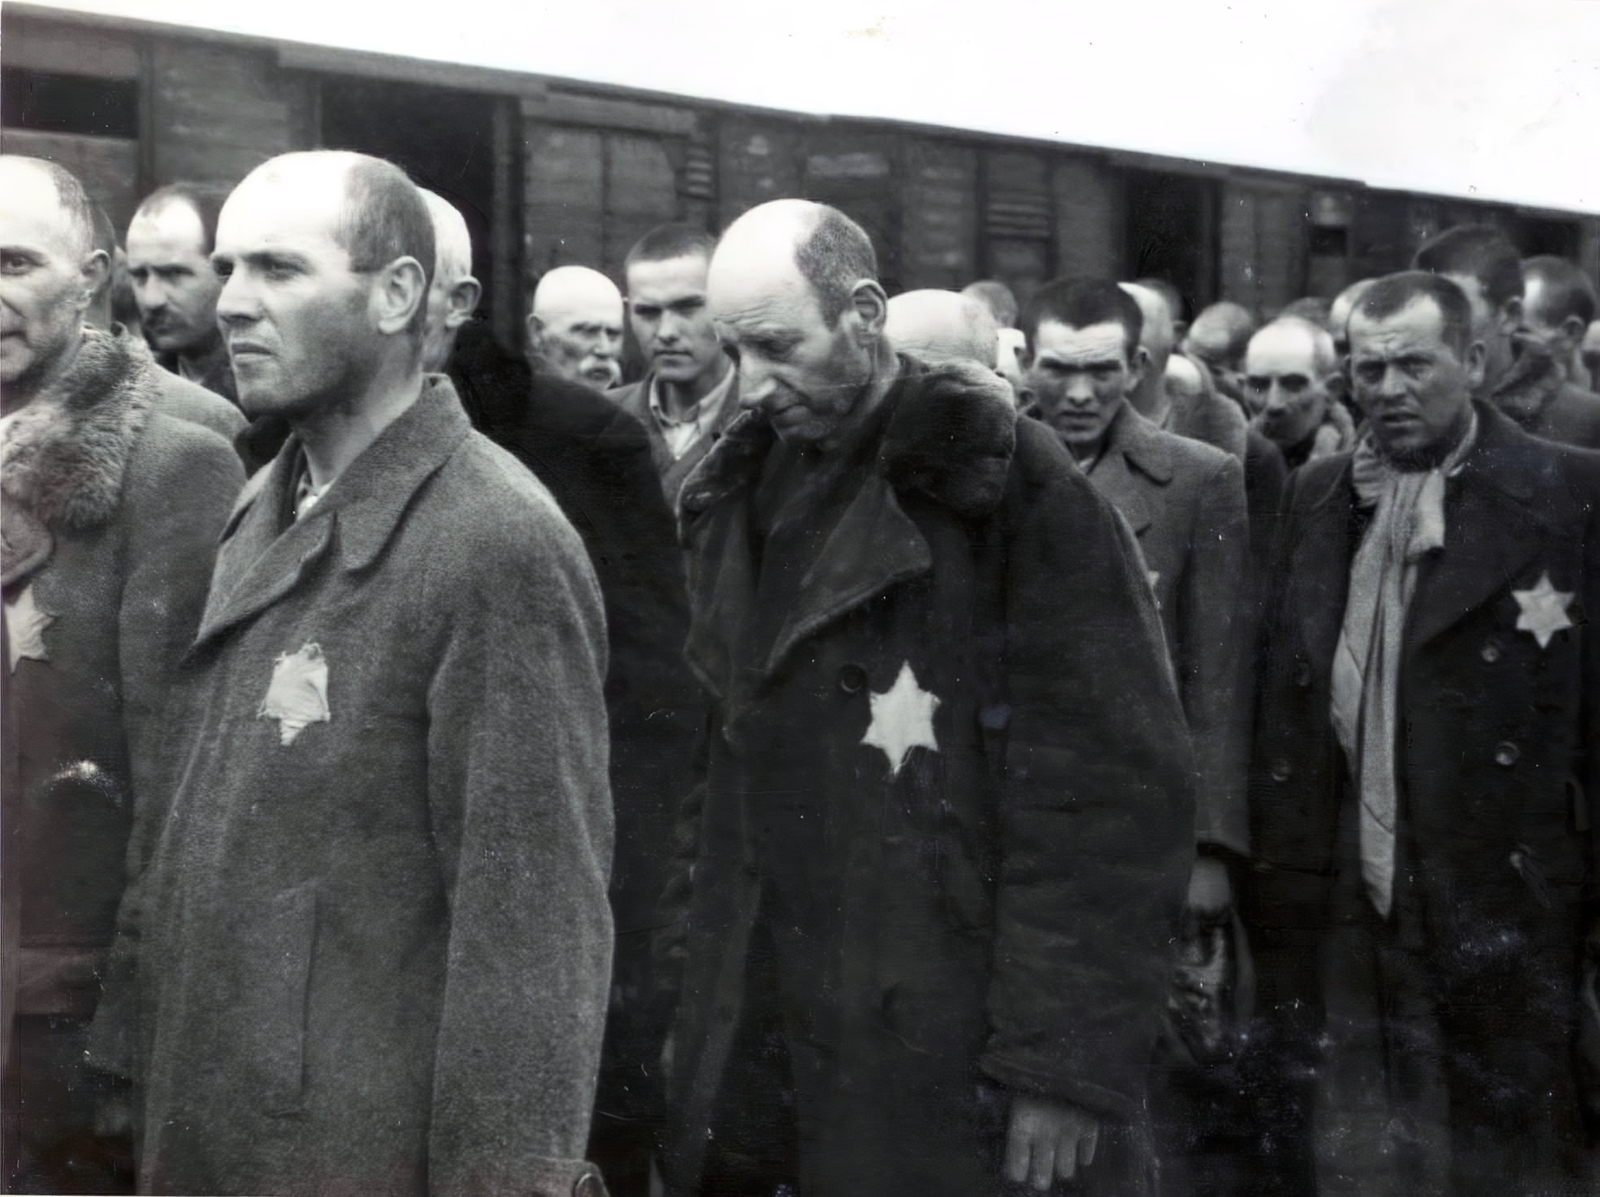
997, 297
1156, 339
52, 272
942, 326
793, 290
575, 325
454, 292
1289, 370
1218, 337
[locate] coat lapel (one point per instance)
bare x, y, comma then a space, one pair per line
1492, 531
260, 562
874, 546
1318, 569
1134, 464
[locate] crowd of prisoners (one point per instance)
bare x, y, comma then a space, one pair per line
916, 744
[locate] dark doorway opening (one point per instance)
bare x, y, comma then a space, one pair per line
1170, 222
443, 139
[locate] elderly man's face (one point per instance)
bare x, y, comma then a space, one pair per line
1283, 385
295, 317
1080, 378
173, 282
802, 373
43, 287
582, 340
1410, 382
667, 306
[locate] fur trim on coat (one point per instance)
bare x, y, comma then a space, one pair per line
65, 453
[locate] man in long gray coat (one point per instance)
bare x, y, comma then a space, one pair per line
374, 934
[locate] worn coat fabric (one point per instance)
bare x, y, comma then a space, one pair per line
110, 512
373, 934
951, 771
635, 400
596, 462
188, 401
1185, 502
1211, 418
1497, 748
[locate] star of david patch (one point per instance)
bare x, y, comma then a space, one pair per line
902, 719
1544, 610
298, 694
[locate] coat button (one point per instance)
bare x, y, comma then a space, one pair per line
1281, 769
589, 1185
1302, 674
1506, 753
1490, 651
852, 679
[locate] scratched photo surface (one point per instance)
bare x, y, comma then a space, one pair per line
816, 603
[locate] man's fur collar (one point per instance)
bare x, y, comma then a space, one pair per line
950, 437
65, 453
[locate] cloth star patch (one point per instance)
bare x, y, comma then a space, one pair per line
902, 719
25, 625
298, 694
1544, 610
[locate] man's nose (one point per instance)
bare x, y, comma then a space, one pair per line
149, 294
1079, 392
236, 303
755, 383
1277, 399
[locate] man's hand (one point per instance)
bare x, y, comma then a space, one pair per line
1047, 1140
1210, 891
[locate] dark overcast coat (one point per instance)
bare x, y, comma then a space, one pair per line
998, 912
374, 959
1498, 737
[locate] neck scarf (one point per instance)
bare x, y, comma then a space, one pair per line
1408, 523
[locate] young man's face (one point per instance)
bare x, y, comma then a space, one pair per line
173, 282
296, 318
671, 322
1080, 378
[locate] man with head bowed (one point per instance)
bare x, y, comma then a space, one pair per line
1426, 764
948, 820
373, 937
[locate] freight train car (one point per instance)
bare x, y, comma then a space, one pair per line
551, 171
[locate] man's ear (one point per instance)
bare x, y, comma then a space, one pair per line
96, 270
1138, 364
399, 293
463, 301
1509, 317
1476, 363
535, 327
870, 303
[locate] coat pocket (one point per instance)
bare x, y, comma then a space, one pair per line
275, 1025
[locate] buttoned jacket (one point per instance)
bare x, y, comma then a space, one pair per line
373, 935
1498, 733
1185, 502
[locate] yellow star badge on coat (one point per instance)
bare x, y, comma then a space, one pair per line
25, 625
1544, 610
902, 719
298, 693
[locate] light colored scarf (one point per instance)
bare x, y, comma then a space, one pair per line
1407, 525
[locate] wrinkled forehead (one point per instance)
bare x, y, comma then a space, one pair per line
1106, 341
1419, 323
282, 208
583, 308
753, 285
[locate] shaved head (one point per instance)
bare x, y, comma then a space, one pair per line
1339, 312
997, 297
942, 325
1220, 334
70, 199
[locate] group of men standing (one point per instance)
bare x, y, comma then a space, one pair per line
808, 767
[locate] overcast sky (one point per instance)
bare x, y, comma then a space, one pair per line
1463, 97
